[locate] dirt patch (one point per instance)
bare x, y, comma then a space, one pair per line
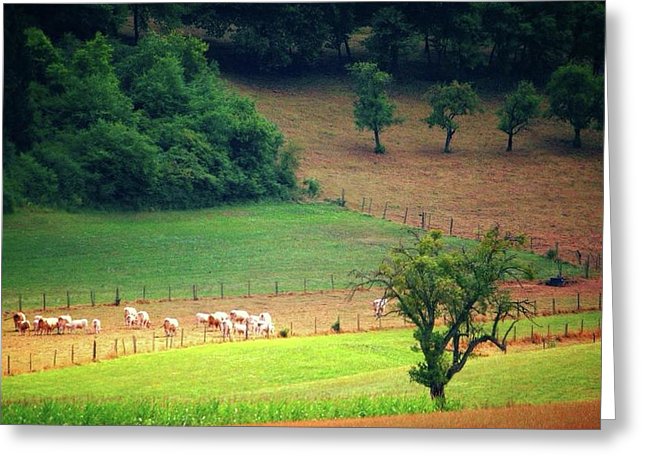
561, 416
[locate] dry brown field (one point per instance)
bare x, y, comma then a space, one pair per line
544, 188
553, 416
301, 313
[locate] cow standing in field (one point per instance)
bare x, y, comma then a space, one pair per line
77, 325
47, 325
378, 306
24, 327
239, 316
129, 312
226, 327
201, 319
143, 319
37, 319
240, 329
18, 318
63, 320
170, 326
216, 319
131, 320
96, 326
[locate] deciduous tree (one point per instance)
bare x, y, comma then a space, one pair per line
518, 109
446, 295
447, 103
372, 109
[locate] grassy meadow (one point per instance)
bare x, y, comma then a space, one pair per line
247, 248
359, 374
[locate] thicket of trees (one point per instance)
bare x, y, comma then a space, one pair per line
83, 99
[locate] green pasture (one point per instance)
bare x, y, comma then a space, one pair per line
230, 250
344, 375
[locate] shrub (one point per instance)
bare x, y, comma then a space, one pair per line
311, 188
284, 333
336, 326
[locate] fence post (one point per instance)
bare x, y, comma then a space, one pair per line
44, 303
531, 334
72, 354
291, 328
248, 288
385, 210
68, 299
358, 323
304, 285
332, 280
581, 331
363, 203
92, 298
8, 364
222, 290
30, 367
380, 323
117, 299
276, 287
370, 206
514, 333
405, 215
123, 345
55, 352
144, 293
553, 306
116, 346
169, 294
578, 301
600, 298
20, 302
314, 325
566, 325
342, 197
181, 340
451, 228
134, 344
205, 332
548, 331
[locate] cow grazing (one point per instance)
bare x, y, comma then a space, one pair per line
143, 319
62, 321
239, 316
47, 325
170, 326
96, 326
80, 324
201, 319
265, 317
24, 327
18, 318
127, 312
216, 319
378, 306
37, 323
131, 320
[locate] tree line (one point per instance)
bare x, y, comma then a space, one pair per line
575, 95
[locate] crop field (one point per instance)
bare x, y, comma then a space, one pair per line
238, 250
318, 377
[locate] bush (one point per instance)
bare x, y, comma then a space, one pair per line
312, 188
284, 333
336, 326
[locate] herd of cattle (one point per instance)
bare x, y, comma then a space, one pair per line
236, 322
62, 323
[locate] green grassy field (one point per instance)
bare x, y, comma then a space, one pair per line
248, 247
298, 378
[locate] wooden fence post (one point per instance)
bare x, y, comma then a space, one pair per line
72, 355
581, 331
304, 285
531, 334
406, 216
92, 298
44, 303
276, 287
116, 346
578, 301
68, 299
20, 302
248, 288
548, 331
291, 328
314, 325
169, 298
153, 341
8, 364
363, 203
553, 306
566, 325
205, 332
30, 363
385, 210
358, 323
600, 298
181, 341
222, 290
451, 228
134, 344
117, 299
123, 345
370, 206
55, 352
144, 293
332, 280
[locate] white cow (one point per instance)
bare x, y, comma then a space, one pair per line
143, 319
266, 328
253, 324
226, 327
96, 326
216, 319
77, 325
170, 326
131, 320
378, 306
18, 318
239, 316
37, 323
240, 328
201, 319
47, 324
129, 311
265, 317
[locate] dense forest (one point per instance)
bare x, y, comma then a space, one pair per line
121, 106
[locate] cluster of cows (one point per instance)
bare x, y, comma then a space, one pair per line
238, 322
62, 323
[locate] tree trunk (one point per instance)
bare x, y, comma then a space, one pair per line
509, 140
347, 49
377, 144
577, 138
437, 391
447, 143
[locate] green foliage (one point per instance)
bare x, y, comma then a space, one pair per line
430, 283
518, 109
372, 110
312, 188
391, 38
150, 126
336, 326
576, 96
448, 102
283, 332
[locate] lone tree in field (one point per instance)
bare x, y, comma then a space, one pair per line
456, 288
447, 102
576, 96
517, 110
372, 109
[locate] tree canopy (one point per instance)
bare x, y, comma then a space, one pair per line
518, 109
454, 299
